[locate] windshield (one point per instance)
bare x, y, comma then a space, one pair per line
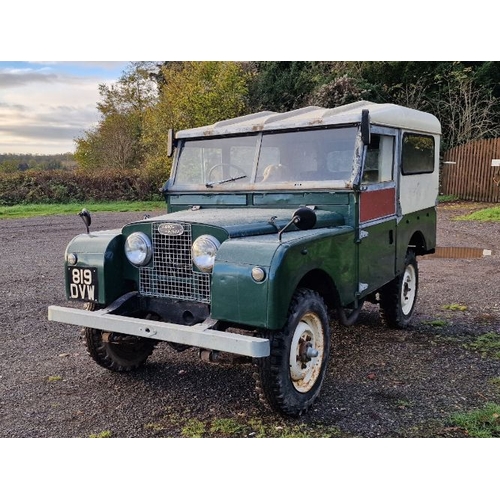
265, 159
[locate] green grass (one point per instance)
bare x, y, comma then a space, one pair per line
488, 345
193, 428
495, 382
447, 198
481, 423
239, 427
37, 210
103, 434
485, 215
455, 307
436, 323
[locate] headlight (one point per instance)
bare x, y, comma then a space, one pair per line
203, 252
138, 249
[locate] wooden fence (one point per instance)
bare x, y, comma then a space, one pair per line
467, 171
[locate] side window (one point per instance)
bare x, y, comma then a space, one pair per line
417, 154
379, 159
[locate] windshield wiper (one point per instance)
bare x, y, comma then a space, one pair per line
231, 179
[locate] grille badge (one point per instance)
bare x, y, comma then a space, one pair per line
170, 229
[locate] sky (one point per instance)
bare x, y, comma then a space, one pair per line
45, 106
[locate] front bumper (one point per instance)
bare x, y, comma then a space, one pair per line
200, 335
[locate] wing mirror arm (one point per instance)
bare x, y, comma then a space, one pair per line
304, 218
87, 219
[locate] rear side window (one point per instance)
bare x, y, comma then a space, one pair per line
418, 154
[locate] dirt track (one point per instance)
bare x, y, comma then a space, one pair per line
380, 383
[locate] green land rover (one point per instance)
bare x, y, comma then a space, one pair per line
277, 226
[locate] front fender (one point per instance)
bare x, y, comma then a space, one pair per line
102, 250
237, 298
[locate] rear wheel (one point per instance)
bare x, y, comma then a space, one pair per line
398, 298
115, 351
290, 379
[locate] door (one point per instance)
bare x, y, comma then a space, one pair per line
377, 215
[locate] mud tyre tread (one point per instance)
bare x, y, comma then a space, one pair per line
272, 374
392, 312
111, 355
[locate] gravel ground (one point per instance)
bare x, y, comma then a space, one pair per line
380, 383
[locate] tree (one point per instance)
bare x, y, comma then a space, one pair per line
341, 90
192, 94
281, 85
9, 166
116, 141
135, 91
467, 110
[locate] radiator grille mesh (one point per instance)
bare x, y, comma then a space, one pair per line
172, 274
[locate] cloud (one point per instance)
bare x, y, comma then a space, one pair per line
41, 132
46, 106
7, 106
14, 77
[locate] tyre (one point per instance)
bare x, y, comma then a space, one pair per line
398, 298
115, 351
290, 379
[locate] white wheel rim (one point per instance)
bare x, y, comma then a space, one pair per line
408, 289
307, 338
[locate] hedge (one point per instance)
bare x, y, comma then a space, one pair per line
72, 186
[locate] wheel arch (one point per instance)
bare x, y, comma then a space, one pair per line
321, 282
418, 243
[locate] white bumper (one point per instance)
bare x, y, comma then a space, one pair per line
197, 336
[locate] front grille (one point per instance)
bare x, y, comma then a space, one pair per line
172, 274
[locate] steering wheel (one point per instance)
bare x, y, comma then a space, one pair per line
225, 165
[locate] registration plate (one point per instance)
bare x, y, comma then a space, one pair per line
82, 283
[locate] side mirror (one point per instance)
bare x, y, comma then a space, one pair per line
87, 219
365, 127
304, 218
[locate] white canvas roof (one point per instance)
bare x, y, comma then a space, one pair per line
391, 115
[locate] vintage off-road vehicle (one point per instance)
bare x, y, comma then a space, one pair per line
277, 224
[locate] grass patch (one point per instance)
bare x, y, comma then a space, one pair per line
481, 423
103, 434
260, 429
193, 428
37, 210
488, 345
154, 427
495, 382
226, 427
240, 427
447, 198
485, 215
455, 307
437, 323
402, 404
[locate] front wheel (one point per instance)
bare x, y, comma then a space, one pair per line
290, 379
115, 351
398, 298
